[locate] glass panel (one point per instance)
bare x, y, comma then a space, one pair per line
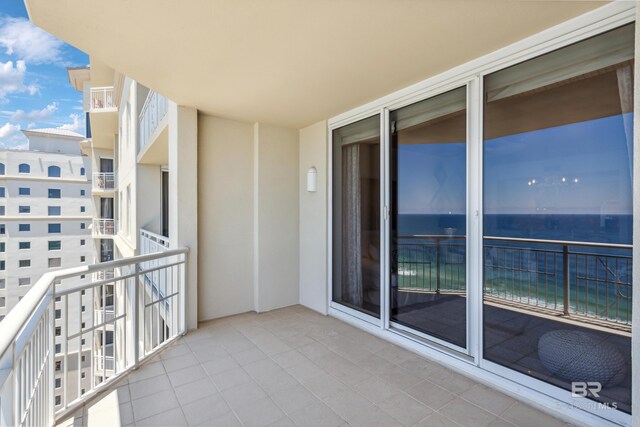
558, 217
428, 192
356, 216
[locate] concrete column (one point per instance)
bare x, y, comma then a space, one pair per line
183, 197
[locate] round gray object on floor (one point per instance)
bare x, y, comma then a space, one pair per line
581, 356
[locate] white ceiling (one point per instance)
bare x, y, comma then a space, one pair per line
290, 62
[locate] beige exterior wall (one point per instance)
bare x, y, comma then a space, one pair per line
225, 209
313, 218
276, 210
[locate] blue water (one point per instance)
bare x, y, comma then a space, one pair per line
578, 228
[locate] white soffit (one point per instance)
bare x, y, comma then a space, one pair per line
291, 62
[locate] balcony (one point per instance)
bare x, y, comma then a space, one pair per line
103, 227
102, 100
151, 119
104, 182
152, 242
296, 367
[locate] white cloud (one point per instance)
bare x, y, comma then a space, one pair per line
11, 137
75, 125
21, 38
35, 115
9, 130
12, 79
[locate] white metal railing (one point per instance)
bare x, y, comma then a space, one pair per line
151, 242
104, 181
104, 274
153, 111
102, 99
104, 227
102, 315
47, 336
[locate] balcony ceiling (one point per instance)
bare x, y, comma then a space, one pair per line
290, 62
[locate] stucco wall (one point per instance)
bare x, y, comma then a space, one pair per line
313, 218
225, 212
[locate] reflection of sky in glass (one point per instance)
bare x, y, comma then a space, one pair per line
580, 168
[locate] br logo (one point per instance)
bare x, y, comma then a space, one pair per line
585, 388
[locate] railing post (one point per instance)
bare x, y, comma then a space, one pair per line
565, 279
136, 317
437, 265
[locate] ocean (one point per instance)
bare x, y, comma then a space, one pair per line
615, 229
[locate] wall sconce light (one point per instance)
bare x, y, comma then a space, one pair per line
312, 180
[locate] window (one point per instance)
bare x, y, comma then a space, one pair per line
83, 209
24, 245
2, 301
82, 172
83, 375
82, 358
58, 331
53, 171
58, 400
24, 263
83, 308
55, 228
82, 343
24, 209
3, 246
83, 226
58, 298
2, 192
58, 362
2, 229
58, 382
24, 168
2, 282
24, 281
54, 193
82, 192
2, 265
55, 245
83, 325
82, 242
24, 227
55, 262
54, 210
82, 258
22, 191
2, 210
1, 168
82, 276
58, 313
58, 348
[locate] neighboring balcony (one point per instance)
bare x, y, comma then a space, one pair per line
104, 182
102, 100
153, 129
102, 227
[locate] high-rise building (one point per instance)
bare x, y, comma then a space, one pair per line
46, 211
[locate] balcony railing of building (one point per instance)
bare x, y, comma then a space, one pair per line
42, 335
152, 242
104, 274
104, 181
102, 99
583, 281
153, 111
104, 227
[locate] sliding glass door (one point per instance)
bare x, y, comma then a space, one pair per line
356, 216
428, 291
558, 141
494, 220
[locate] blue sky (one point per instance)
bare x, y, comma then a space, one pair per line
34, 87
580, 168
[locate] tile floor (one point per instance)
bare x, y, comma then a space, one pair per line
295, 367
